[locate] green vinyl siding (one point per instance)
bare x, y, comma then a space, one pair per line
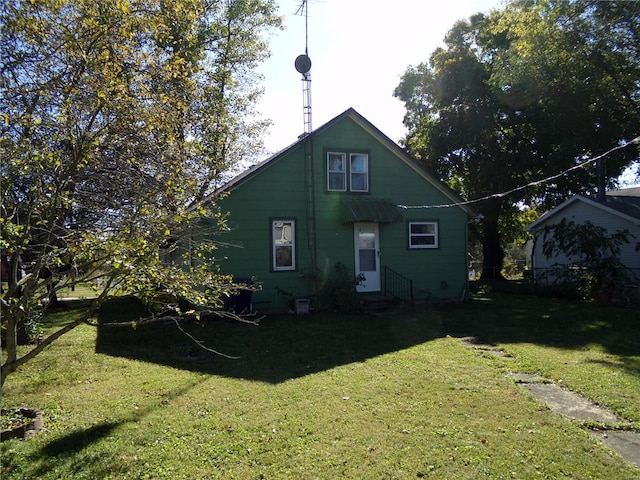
276, 191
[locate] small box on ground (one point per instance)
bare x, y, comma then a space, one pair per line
302, 306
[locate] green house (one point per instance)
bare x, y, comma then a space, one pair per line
344, 195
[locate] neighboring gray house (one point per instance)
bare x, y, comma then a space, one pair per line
619, 210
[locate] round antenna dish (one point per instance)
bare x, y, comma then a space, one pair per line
303, 64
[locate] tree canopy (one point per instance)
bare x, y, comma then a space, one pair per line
120, 118
522, 94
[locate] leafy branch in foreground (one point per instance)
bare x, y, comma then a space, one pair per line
120, 120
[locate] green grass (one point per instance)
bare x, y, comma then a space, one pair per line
328, 396
592, 349
81, 290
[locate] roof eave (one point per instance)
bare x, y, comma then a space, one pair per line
535, 226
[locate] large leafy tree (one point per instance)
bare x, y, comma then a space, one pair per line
120, 119
522, 94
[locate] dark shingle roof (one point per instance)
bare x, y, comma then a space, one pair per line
625, 201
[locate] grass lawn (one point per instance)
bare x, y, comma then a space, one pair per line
329, 396
81, 290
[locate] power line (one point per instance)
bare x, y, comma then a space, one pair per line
531, 184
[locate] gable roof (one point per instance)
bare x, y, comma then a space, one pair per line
393, 148
621, 203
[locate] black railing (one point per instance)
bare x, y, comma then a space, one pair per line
397, 285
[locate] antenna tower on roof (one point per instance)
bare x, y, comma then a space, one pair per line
303, 66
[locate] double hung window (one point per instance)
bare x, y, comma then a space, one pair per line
283, 247
337, 171
359, 169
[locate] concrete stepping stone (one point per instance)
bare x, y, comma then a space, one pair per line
484, 347
570, 404
626, 444
573, 406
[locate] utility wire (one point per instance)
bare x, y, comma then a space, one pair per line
531, 184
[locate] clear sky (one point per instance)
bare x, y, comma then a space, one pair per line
359, 49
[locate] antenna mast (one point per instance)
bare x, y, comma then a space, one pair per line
303, 66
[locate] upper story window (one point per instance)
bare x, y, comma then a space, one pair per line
359, 169
284, 249
351, 175
337, 171
423, 234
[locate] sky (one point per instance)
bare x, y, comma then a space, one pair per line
359, 51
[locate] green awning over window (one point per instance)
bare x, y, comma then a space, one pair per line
361, 208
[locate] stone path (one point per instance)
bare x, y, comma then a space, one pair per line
570, 404
573, 407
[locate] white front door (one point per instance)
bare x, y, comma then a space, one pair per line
367, 253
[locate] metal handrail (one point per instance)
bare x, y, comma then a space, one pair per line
397, 285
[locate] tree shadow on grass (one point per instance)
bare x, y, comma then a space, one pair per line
290, 346
73, 452
630, 366
75, 441
281, 347
505, 318
67, 456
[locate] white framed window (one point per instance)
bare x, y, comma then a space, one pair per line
337, 172
423, 234
283, 244
345, 176
359, 170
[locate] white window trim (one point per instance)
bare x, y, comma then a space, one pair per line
435, 236
282, 242
348, 172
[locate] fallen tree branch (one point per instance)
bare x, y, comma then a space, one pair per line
172, 317
199, 343
177, 319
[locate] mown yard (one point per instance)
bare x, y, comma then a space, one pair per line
329, 396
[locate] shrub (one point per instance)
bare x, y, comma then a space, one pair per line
339, 292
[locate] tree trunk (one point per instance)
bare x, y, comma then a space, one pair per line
492, 252
52, 295
11, 346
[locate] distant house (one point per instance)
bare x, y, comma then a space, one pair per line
620, 211
344, 195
